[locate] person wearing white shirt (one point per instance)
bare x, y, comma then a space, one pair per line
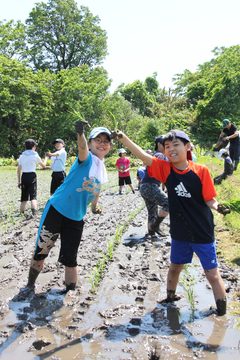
26, 173
58, 158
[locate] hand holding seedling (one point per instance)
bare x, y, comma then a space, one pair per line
222, 209
79, 126
97, 210
117, 135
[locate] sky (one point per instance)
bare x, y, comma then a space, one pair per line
147, 36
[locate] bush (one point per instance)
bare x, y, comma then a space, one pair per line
7, 162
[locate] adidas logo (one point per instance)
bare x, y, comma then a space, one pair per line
181, 191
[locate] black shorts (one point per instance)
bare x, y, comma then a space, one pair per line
57, 179
70, 232
29, 186
125, 179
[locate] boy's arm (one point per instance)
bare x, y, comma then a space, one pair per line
135, 149
213, 204
43, 164
53, 154
95, 209
82, 142
19, 170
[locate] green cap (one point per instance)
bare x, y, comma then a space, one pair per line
225, 123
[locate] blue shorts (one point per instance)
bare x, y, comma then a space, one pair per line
182, 253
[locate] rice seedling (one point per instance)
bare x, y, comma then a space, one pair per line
187, 281
115, 123
112, 244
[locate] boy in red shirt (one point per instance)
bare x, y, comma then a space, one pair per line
191, 195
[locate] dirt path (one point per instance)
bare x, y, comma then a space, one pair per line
124, 318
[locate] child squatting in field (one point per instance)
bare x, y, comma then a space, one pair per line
191, 195
64, 212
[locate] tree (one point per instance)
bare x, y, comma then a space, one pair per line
61, 36
137, 94
214, 91
12, 39
15, 105
151, 84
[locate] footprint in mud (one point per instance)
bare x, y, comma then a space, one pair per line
37, 308
32, 311
165, 320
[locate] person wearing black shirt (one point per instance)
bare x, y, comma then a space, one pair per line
231, 131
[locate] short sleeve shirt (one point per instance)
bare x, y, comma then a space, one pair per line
123, 164
148, 179
29, 160
77, 191
231, 131
191, 220
59, 161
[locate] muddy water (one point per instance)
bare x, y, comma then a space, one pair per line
125, 318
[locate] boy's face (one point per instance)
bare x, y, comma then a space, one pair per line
100, 146
59, 145
176, 151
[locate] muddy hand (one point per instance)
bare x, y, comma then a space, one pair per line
97, 211
223, 210
116, 135
79, 126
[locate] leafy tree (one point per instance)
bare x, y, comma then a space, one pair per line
12, 39
151, 84
214, 91
61, 36
138, 96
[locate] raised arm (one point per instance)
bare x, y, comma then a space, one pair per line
135, 149
82, 142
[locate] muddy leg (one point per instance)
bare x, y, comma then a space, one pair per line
156, 225
70, 277
34, 206
218, 288
23, 206
172, 280
131, 187
35, 268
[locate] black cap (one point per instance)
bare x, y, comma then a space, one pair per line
29, 144
57, 140
157, 140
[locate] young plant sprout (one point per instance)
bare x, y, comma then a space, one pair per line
115, 123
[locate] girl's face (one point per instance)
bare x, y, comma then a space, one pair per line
123, 155
100, 146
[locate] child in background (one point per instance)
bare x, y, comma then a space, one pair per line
228, 167
191, 195
123, 167
58, 158
28, 181
140, 174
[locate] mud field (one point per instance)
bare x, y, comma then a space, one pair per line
124, 317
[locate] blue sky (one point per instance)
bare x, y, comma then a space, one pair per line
154, 35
